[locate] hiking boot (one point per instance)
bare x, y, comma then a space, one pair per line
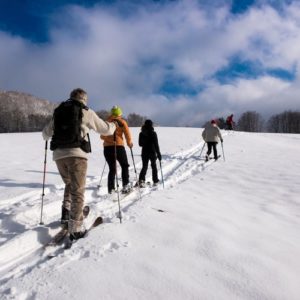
126, 188
77, 235
156, 183
206, 158
142, 184
111, 191
76, 230
65, 216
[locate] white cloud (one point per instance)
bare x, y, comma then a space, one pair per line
124, 59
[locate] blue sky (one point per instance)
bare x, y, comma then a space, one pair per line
178, 62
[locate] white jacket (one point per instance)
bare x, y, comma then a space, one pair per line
90, 120
212, 133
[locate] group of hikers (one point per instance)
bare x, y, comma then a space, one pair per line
70, 143
114, 150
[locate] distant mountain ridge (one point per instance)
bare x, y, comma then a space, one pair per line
25, 103
21, 112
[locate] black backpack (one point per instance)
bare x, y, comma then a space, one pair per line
67, 119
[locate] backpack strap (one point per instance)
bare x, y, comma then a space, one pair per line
76, 102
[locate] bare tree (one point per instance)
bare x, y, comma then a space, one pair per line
18, 111
37, 122
221, 123
250, 121
286, 122
103, 114
135, 120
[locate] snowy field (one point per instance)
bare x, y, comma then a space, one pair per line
218, 230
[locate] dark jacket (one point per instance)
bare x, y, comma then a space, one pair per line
149, 142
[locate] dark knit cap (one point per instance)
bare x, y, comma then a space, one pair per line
148, 123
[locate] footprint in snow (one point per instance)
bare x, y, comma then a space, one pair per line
114, 246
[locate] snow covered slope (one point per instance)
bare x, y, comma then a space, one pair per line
218, 230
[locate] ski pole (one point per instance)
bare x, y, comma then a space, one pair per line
117, 179
162, 177
136, 177
202, 149
99, 185
223, 151
44, 177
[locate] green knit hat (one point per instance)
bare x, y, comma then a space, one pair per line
116, 111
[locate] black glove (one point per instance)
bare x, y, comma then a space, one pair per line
221, 140
159, 156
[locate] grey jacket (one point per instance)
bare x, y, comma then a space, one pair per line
212, 133
90, 120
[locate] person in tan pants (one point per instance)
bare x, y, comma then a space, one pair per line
70, 154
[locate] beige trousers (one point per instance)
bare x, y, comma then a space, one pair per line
73, 172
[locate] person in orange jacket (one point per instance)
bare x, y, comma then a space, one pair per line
114, 144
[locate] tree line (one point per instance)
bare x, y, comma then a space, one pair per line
133, 119
20, 112
285, 122
252, 121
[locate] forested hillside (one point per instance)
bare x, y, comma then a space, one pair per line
20, 112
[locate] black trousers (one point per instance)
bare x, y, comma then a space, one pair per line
109, 154
229, 126
212, 145
145, 160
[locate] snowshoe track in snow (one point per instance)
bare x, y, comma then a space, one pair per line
28, 238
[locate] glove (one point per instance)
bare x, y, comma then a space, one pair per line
221, 140
159, 156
